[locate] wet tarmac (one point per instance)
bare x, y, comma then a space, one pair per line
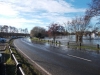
60, 60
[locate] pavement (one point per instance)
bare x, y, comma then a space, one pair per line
55, 60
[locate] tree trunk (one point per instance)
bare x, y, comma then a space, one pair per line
90, 36
76, 38
81, 38
54, 37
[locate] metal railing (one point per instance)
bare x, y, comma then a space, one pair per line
18, 65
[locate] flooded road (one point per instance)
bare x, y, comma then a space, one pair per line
55, 60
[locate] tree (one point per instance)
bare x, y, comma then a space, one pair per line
4, 28
26, 30
55, 29
38, 32
61, 30
94, 8
93, 11
10, 29
78, 25
67, 28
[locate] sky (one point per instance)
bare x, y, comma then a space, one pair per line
31, 13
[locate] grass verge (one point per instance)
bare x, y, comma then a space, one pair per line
83, 47
44, 41
11, 66
70, 46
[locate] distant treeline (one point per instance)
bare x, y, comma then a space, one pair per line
11, 29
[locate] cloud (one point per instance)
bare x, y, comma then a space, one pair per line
60, 6
35, 12
18, 22
7, 10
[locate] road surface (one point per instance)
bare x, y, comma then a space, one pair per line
60, 60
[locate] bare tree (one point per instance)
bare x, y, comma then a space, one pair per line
55, 29
66, 28
78, 25
94, 8
92, 11
26, 30
4, 28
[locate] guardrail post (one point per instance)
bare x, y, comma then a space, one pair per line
48, 41
59, 43
52, 41
68, 44
80, 45
97, 48
56, 43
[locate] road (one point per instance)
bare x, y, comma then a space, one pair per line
60, 60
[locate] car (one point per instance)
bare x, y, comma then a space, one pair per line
2, 40
13, 37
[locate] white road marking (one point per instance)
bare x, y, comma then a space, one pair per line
34, 62
62, 45
79, 58
63, 55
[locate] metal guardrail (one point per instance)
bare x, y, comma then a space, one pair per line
18, 65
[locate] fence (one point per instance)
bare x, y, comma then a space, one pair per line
18, 65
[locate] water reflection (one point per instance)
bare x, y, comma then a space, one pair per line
65, 39
28, 39
86, 39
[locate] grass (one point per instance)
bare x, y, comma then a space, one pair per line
84, 47
11, 66
71, 46
27, 67
43, 40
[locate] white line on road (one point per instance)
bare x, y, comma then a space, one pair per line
34, 62
64, 55
79, 58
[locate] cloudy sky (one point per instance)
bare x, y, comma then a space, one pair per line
30, 13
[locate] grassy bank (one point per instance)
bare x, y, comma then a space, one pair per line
75, 46
84, 47
11, 66
44, 41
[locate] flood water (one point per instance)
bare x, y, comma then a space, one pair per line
86, 39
